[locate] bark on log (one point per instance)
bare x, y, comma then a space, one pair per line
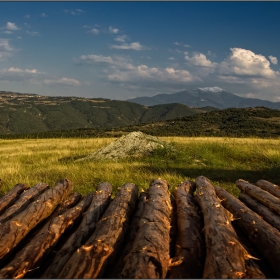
8, 199
24, 200
271, 217
14, 230
225, 256
91, 259
149, 256
100, 202
265, 237
269, 187
38, 248
133, 229
190, 246
263, 196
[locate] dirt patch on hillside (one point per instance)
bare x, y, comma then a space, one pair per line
134, 144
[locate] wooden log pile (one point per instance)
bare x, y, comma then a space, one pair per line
198, 230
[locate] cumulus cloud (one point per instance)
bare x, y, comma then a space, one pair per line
244, 62
76, 12
273, 59
43, 15
132, 46
62, 81
11, 26
199, 60
113, 30
18, 70
27, 16
171, 58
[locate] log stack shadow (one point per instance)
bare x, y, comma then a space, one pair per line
198, 231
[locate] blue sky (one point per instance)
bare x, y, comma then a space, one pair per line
121, 50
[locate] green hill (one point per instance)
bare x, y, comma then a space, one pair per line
31, 113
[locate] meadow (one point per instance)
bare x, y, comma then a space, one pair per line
222, 160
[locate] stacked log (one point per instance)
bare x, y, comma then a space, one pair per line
149, 256
262, 196
100, 251
15, 229
40, 246
100, 202
225, 256
269, 187
265, 237
190, 246
9, 199
23, 201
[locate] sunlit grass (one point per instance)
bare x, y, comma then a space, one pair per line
222, 160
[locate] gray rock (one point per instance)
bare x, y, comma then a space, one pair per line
134, 144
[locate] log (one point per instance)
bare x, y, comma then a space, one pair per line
269, 216
38, 248
9, 199
225, 256
99, 252
100, 202
24, 200
149, 256
190, 245
265, 237
133, 229
262, 196
269, 187
14, 230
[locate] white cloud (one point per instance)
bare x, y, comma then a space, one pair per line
121, 39
113, 30
246, 63
11, 26
18, 70
177, 44
171, 58
132, 46
187, 46
27, 16
94, 31
43, 15
32, 33
5, 49
8, 32
89, 59
62, 81
200, 60
273, 59
76, 12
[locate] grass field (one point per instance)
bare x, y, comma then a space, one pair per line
222, 160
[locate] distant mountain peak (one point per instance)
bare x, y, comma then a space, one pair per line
212, 89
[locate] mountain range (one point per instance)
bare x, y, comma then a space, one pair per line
207, 96
32, 113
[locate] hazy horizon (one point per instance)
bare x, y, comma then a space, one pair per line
123, 50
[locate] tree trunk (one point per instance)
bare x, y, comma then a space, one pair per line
14, 230
265, 237
91, 259
100, 202
263, 196
269, 187
9, 198
271, 217
225, 256
24, 200
133, 229
190, 246
149, 256
41, 245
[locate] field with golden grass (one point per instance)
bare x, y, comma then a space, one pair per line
222, 160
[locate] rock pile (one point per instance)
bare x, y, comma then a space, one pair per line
134, 144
